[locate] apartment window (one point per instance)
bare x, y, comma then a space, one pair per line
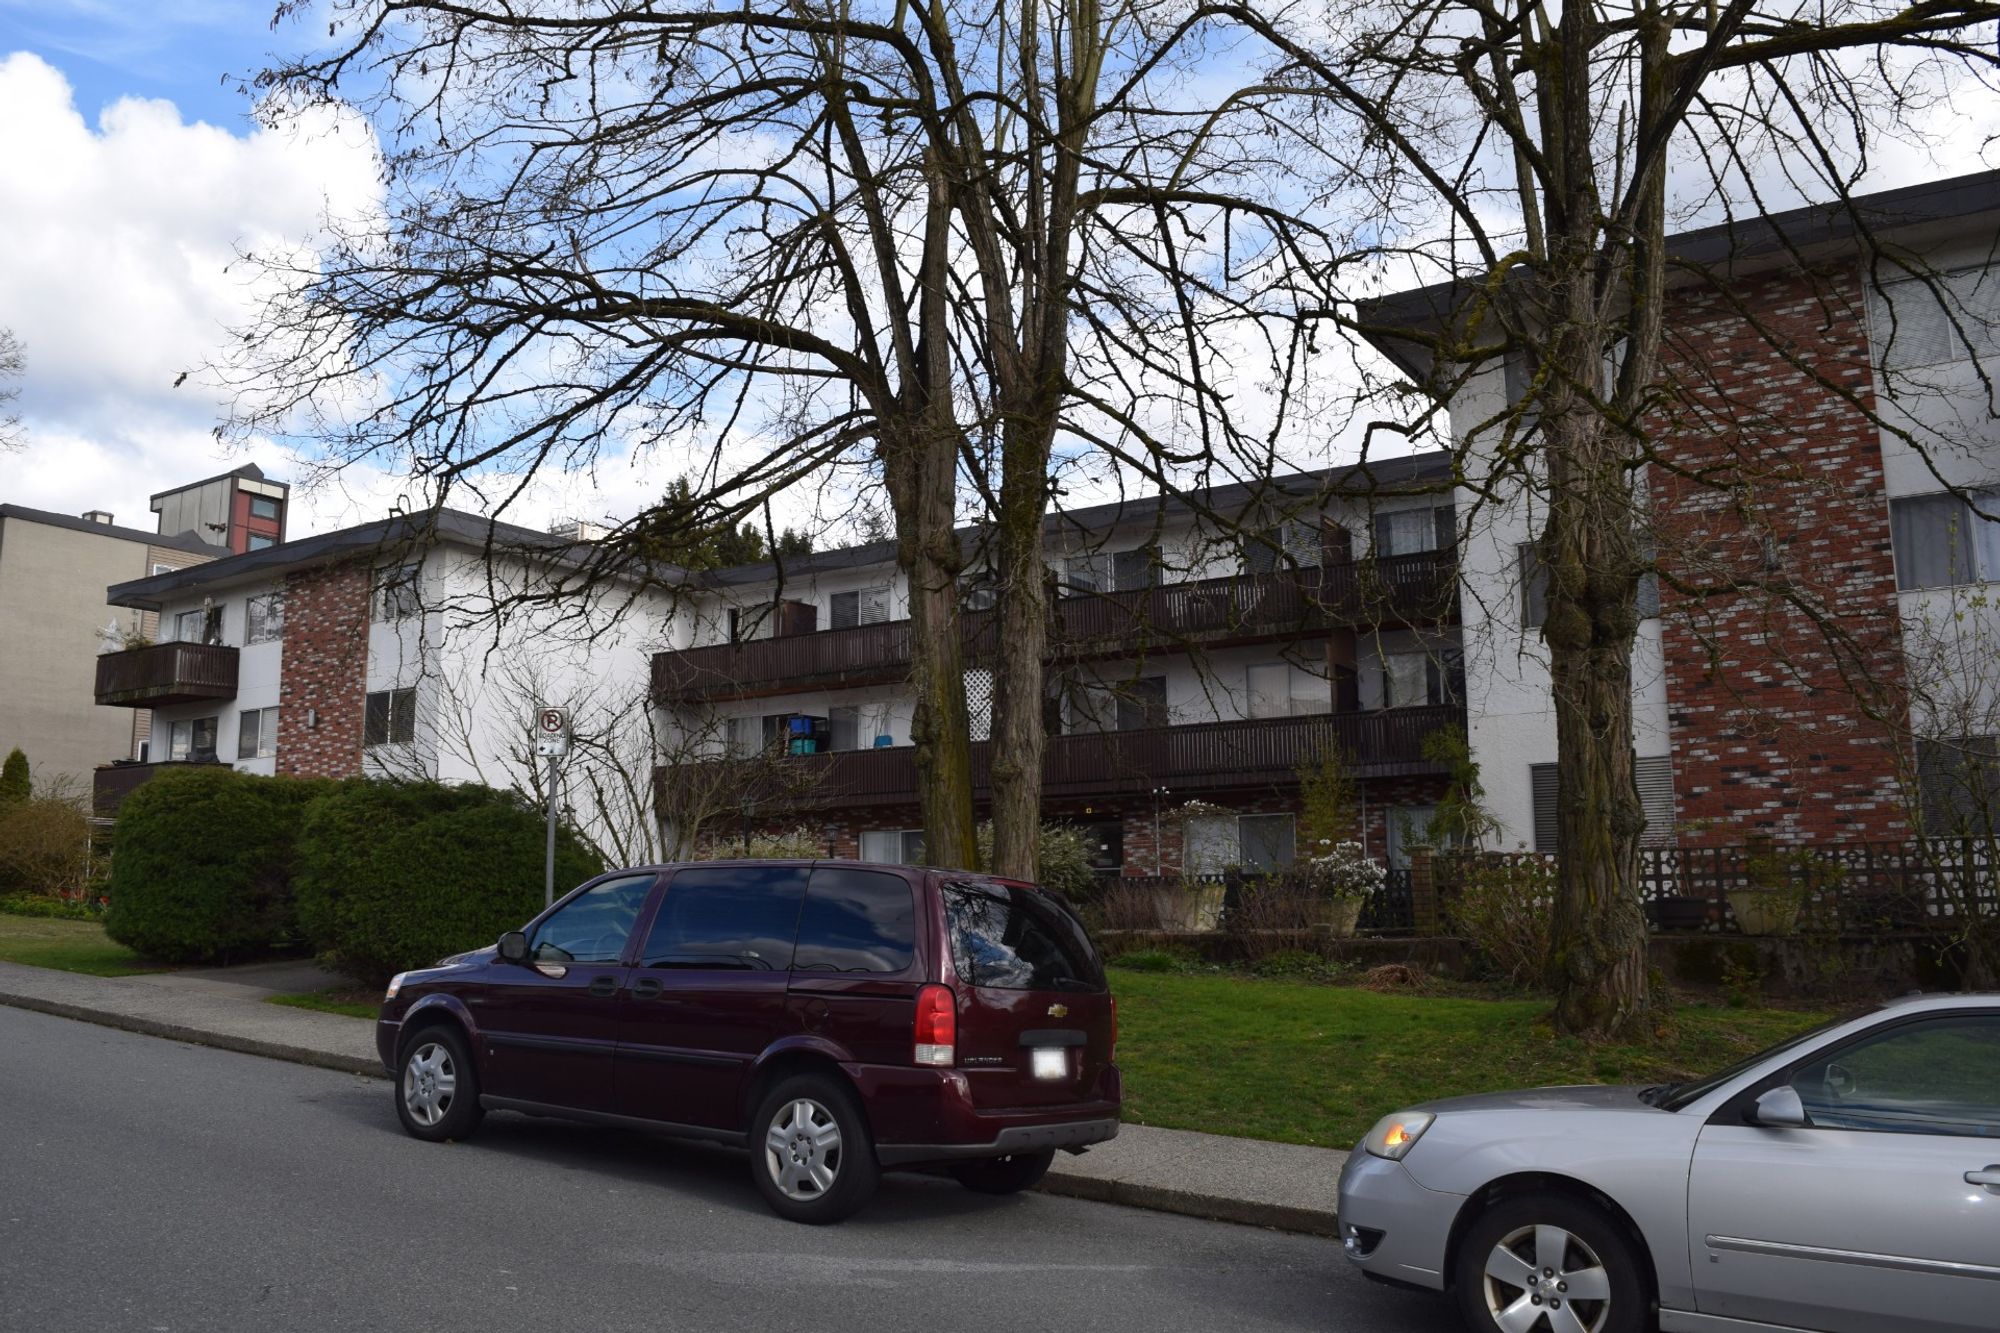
257, 541
263, 506
203, 626
1280, 689
1958, 785
1257, 844
1911, 326
868, 606
192, 740
753, 622
843, 727
1941, 540
390, 718
257, 733
1407, 828
896, 847
1653, 775
162, 569
396, 592
1409, 531
264, 618
1534, 586
1129, 705
1111, 571
978, 591
1414, 680
1294, 541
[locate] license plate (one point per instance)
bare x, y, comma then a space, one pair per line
1051, 1062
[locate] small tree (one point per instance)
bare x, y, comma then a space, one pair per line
1461, 818
1329, 803
15, 784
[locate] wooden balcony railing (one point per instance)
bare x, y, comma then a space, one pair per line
1204, 756
1421, 588
166, 673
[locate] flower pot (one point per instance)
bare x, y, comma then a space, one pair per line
1764, 911
1196, 907
1339, 917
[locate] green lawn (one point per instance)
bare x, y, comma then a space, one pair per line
348, 1003
72, 946
1319, 1064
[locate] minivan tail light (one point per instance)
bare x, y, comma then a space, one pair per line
937, 1026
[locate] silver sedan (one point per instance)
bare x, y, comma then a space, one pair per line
1846, 1181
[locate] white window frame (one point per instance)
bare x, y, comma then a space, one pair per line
258, 629
264, 721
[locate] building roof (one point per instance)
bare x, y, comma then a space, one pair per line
395, 534
1811, 229
248, 472
183, 541
1408, 471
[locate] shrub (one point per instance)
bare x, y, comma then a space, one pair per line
1150, 960
1124, 906
799, 844
1063, 852
44, 848
204, 864
395, 875
1503, 904
15, 784
70, 909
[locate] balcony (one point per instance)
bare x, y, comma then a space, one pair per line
166, 673
1202, 757
1417, 589
112, 783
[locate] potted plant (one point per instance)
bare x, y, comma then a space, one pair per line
1194, 901
1338, 885
1192, 904
1769, 903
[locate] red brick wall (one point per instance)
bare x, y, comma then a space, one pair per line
1765, 699
324, 672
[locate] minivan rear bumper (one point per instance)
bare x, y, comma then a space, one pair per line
927, 1115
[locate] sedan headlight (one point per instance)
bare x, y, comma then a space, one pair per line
395, 984
1394, 1135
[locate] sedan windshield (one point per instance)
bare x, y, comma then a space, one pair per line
1674, 1096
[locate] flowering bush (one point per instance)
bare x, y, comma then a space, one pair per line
1345, 873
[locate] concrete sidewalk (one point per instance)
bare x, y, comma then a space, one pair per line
1276, 1185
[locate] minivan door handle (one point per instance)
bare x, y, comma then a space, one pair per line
604, 987
646, 988
1990, 1177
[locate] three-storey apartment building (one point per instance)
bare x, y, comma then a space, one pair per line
1203, 650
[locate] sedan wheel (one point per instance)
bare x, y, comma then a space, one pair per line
1550, 1263
1544, 1272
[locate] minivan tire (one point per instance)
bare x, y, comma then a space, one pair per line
437, 1089
1591, 1241
805, 1173
1004, 1175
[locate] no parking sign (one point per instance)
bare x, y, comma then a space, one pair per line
552, 733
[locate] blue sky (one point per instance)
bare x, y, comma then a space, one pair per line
193, 53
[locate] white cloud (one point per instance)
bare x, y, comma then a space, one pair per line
116, 278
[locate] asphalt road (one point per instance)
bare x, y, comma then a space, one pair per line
155, 1187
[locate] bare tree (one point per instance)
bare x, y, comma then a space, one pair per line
13, 363
1518, 156
781, 238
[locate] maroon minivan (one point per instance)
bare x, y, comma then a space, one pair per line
833, 1017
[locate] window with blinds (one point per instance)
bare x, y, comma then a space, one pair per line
1930, 320
1654, 776
869, 606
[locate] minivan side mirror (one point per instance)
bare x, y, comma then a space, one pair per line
514, 947
1780, 1108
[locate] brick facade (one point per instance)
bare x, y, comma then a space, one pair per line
1769, 692
323, 681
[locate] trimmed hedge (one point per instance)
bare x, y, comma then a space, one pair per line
395, 875
203, 862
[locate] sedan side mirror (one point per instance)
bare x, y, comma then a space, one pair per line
514, 947
1780, 1108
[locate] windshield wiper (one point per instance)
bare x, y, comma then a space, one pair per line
1658, 1093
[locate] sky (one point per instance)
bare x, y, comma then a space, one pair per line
133, 174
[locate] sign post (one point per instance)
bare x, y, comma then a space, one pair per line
551, 743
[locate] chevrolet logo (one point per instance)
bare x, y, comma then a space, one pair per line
1058, 1011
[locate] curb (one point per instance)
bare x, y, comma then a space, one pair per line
272, 1050
1152, 1198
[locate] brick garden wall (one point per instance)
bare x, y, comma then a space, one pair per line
1766, 700
324, 672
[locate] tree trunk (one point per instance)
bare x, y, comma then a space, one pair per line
1597, 961
1019, 738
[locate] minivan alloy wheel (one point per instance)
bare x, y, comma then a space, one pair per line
430, 1081
1546, 1273
802, 1147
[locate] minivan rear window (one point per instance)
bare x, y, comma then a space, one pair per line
1008, 938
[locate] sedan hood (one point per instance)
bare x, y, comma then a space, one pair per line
1581, 1097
